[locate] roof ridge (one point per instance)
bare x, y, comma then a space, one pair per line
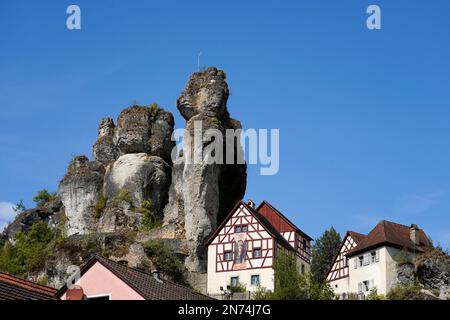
24, 283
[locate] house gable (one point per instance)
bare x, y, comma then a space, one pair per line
299, 240
99, 281
339, 268
258, 242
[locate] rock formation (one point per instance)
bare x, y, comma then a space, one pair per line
79, 190
145, 177
132, 178
104, 149
197, 198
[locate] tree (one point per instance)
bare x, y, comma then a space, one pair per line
290, 284
30, 250
323, 252
43, 197
19, 207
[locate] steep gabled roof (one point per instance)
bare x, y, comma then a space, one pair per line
357, 238
14, 288
282, 216
391, 234
260, 218
142, 282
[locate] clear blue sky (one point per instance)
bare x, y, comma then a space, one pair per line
363, 115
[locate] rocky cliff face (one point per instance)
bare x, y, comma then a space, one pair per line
201, 192
431, 270
105, 203
79, 191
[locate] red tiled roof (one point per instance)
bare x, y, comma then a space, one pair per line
282, 216
143, 283
14, 288
392, 234
357, 237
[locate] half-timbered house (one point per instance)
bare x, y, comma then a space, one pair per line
242, 250
368, 262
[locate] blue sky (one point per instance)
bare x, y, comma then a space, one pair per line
363, 115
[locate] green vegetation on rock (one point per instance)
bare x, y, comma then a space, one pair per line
43, 197
409, 292
149, 221
31, 249
154, 109
100, 206
165, 260
124, 195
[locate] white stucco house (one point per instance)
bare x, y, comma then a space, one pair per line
366, 262
244, 247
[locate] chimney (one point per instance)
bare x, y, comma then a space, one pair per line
251, 204
414, 234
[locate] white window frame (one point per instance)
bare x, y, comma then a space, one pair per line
259, 279
225, 255
231, 281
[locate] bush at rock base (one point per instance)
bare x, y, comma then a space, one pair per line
164, 260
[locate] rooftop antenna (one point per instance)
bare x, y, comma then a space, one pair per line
198, 60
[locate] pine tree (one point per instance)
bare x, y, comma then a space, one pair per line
323, 252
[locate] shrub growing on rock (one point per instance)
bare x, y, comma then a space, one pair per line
164, 260
124, 195
100, 206
43, 197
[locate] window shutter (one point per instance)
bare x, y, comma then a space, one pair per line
372, 284
356, 263
377, 258
366, 259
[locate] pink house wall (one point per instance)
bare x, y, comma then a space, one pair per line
98, 280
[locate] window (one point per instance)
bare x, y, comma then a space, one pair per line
241, 228
367, 259
257, 253
360, 261
365, 286
228, 256
303, 269
234, 282
373, 257
254, 280
304, 244
345, 262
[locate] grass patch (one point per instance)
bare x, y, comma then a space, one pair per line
100, 206
154, 110
124, 195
